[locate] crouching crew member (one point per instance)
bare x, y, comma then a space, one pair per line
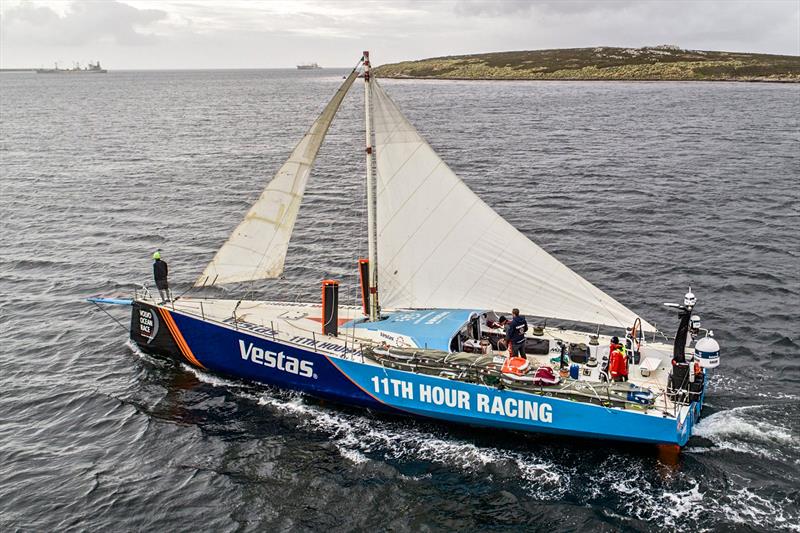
515, 334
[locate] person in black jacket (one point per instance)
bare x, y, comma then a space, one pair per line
160, 272
515, 334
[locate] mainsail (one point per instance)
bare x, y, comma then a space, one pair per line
438, 241
257, 247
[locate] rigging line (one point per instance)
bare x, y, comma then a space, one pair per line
111, 317
185, 292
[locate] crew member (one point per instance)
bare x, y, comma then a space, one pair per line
160, 271
615, 345
618, 366
515, 334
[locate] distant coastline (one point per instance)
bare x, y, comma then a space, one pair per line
659, 63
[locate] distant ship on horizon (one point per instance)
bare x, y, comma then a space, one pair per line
92, 68
308, 66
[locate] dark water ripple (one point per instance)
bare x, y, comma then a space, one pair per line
644, 188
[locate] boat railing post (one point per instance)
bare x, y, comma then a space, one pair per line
314, 336
202, 311
235, 321
272, 329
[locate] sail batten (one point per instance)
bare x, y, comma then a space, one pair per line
257, 248
442, 246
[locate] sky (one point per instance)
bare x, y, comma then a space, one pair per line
151, 34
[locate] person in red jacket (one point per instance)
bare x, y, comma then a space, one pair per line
615, 345
618, 366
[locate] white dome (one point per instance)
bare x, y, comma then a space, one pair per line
707, 352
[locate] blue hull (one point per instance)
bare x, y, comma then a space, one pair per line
224, 349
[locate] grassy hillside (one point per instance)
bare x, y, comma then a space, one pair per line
604, 63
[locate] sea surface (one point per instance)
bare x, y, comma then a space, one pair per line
643, 188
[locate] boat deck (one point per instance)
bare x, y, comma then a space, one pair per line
301, 324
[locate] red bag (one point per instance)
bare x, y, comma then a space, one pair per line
545, 376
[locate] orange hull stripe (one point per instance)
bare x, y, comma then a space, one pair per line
171, 327
181, 342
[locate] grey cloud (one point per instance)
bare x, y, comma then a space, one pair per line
86, 22
498, 8
219, 33
472, 8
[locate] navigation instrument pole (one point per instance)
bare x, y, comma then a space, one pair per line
374, 307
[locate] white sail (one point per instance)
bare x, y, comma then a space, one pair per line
438, 241
257, 247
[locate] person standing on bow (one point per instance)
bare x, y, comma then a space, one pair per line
515, 334
160, 272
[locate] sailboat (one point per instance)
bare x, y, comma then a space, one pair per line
428, 338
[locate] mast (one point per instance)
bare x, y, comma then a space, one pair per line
374, 307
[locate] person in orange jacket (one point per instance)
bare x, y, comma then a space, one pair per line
618, 366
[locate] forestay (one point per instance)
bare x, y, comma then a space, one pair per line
257, 247
438, 241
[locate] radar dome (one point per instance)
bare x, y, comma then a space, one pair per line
707, 352
689, 299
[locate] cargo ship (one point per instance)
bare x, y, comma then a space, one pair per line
308, 66
92, 68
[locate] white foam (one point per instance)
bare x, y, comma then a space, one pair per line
213, 379
743, 430
689, 507
353, 455
641, 500
157, 361
743, 506
357, 435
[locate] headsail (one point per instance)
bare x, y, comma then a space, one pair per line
257, 247
437, 240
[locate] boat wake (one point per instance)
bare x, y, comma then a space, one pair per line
385, 448
692, 505
361, 439
745, 430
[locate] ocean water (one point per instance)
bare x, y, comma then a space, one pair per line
643, 188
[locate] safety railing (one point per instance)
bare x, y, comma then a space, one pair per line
197, 309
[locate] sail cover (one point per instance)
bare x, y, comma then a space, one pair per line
438, 241
257, 247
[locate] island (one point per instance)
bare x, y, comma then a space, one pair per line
651, 63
